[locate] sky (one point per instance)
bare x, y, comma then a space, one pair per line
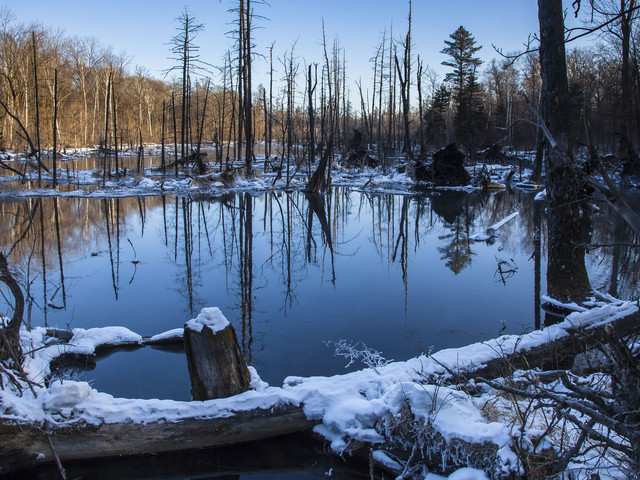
143, 29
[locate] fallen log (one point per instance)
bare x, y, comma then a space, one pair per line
556, 354
25, 445
298, 454
114, 427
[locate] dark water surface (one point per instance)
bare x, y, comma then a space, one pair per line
291, 272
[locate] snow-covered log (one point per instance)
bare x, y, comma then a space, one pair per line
361, 408
23, 445
558, 351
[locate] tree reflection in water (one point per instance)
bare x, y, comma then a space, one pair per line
293, 270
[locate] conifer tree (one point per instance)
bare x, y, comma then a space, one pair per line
462, 48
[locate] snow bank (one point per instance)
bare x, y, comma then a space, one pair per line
347, 407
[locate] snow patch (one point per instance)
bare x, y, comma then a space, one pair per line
210, 317
88, 340
168, 335
541, 195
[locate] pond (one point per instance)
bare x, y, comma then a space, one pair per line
294, 273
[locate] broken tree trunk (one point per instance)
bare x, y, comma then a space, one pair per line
316, 182
216, 364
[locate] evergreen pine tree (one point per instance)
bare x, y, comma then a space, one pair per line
461, 48
435, 116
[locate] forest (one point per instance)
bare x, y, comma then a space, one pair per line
480, 226
308, 101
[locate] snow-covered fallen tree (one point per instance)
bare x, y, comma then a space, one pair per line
425, 413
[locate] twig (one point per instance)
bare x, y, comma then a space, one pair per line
63, 474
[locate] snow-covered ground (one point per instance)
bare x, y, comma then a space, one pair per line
358, 406
73, 182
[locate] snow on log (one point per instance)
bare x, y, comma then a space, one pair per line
170, 337
555, 347
345, 409
216, 365
491, 231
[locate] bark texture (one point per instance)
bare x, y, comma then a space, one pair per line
216, 364
23, 446
567, 278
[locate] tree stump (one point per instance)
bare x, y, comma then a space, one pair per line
216, 365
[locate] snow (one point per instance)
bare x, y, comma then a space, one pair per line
149, 182
168, 335
568, 306
347, 407
490, 231
88, 340
462, 474
541, 195
210, 317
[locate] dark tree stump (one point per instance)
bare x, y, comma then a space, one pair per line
216, 365
447, 168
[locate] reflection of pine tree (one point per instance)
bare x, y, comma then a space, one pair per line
457, 252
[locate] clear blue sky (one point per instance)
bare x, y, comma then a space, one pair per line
142, 29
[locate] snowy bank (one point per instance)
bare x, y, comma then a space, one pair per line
362, 406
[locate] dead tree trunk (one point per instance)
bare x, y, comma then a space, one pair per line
10, 333
55, 120
567, 278
35, 84
317, 180
216, 365
312, 122
115, 127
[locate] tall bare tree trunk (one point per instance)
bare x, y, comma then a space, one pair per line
115, 127
35, 84
312, 122
55, 120
567, 278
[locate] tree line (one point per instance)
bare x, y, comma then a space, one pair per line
100, 100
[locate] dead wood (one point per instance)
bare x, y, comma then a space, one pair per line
216, 365
23, 446
316, 182
9, 334
555, 355
11, 169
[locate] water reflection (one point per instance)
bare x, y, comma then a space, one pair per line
289, 457
294, 270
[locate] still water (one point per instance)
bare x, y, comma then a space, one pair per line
292, 272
